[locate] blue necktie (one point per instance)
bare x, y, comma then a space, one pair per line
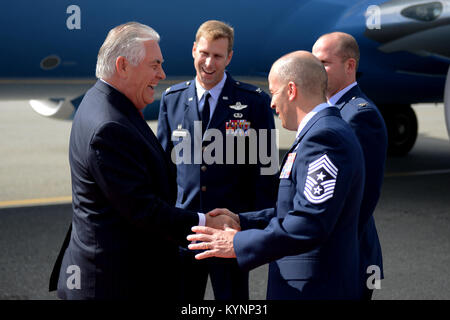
205, 112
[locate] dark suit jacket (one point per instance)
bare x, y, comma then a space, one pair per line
125, 228
370, 129
312, 242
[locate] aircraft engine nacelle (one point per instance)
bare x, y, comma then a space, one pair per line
447, 102
62, 109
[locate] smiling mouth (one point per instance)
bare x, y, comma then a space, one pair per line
210, 73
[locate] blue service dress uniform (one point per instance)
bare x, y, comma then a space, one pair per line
370, 129
204, 186
312, 240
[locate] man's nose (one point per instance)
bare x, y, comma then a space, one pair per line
162, 74
208, 61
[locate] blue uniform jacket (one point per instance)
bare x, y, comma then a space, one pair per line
312, 241
123, 195
236, 186
370, 129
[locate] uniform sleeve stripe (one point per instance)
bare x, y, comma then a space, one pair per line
316, 200
323, 160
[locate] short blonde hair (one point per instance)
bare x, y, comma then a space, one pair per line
214, 29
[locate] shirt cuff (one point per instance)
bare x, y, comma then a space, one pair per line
201, 219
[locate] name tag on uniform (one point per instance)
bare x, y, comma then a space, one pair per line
179, 133
287, 168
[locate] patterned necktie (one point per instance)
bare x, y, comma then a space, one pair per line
205, 112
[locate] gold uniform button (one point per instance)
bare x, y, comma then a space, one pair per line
204, 188
203, 168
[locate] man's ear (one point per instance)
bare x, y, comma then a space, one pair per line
230, 55
292, 90
194, 47
350, 66
122, 66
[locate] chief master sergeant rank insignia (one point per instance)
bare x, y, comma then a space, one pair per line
319, 185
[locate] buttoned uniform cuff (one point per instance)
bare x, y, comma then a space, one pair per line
201, 219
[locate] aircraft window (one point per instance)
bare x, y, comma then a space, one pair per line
423, 12
50, 62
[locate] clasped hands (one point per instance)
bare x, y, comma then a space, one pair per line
216, 238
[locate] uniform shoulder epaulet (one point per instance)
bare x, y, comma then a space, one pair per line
247, 87
359, 102
178, 87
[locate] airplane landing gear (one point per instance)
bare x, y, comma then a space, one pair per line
401, 123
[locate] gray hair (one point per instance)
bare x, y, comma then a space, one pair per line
125, 40
305, 70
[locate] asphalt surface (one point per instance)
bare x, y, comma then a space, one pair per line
412, 217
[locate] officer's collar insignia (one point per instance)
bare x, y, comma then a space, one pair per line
168, 89
190, 99
319, 185
238, 106
225, 98
259, 90
363, 104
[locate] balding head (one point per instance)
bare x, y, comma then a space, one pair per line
298, 82
339, 53
344, 45
305, 70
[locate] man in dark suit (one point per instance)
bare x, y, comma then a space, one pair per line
123, 186
339, 53
312, 242
214, 176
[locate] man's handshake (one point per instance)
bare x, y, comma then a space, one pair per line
221, 218
217, 237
